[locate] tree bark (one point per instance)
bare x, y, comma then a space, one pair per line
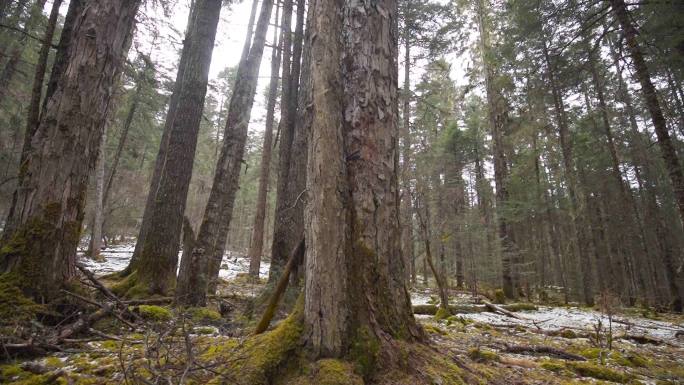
407, 225
257, 241
210, 242
156, 272
33, 116
355, 287
64, 150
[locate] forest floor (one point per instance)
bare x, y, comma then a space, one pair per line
505, 344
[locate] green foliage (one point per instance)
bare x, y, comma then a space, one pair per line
499, 296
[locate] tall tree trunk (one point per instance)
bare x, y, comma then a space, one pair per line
65, 148
667, 149
674, 167
407, 225
257, 241
95, 244
214, 264
498, 120
576, 236
355, 287
156, 272
160, 160
33, 116
226, 179
288, 225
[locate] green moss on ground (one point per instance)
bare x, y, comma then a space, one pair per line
328, 372
154, 313
203, 314
481, 355
586, 369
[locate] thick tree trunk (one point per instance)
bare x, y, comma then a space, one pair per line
156, 272
219, 207
257, 241
355, 287
160, 160
65, 148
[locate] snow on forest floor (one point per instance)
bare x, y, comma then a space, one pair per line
116, 258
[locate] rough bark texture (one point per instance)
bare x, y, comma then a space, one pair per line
219, 209
65, 148
156, 271
257, 242
355, 289
406, 208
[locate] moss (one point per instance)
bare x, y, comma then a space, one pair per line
631, 360
442, 313
499, 296
204, 314
331, 372
520, 307
567, 333
480, 355
553, 366
155, 313
260, 357
54, 362
364, 352
433, 329
586, 369
591, 353
14, 305
204, 330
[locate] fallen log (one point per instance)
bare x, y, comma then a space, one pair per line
545, 350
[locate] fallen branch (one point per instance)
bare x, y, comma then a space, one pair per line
453, 309
273, 301
496, 309
545, 350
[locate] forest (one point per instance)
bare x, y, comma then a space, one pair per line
333, 192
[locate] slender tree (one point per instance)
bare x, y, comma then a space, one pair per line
257, 242
156, 272
207, 252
